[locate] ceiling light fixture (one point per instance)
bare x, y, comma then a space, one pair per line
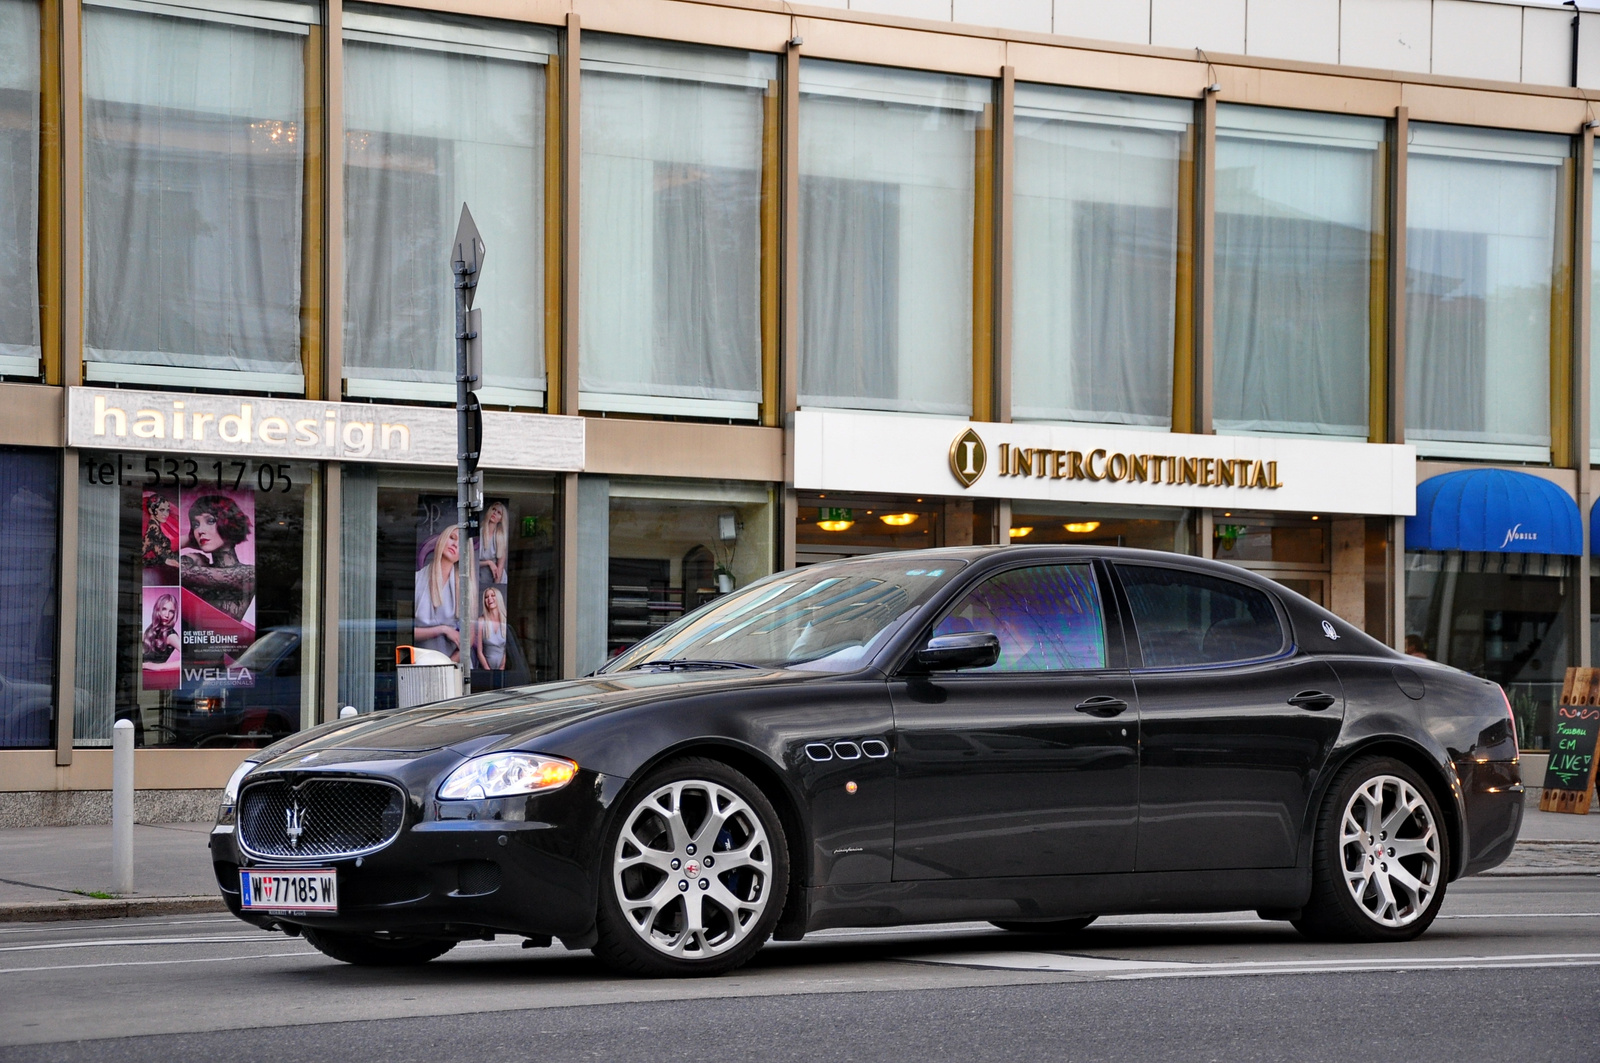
899, 520
1021, 533
1082, 527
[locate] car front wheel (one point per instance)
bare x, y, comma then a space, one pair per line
697, 869
1381, 857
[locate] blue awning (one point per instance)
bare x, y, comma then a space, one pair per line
1495, 511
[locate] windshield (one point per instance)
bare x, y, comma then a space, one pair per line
829, 618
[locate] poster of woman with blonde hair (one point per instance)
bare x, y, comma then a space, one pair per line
489, 634
434, 602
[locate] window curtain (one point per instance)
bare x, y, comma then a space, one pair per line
886, 229
1594, 333
194, 171
358, 586
1294, 208
19, 176
1095, 256
671, 241
1480, 258
441, 111
28, 517
95, 702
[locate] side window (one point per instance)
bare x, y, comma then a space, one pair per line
1189, 618
1048, 618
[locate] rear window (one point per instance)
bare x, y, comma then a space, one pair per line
1188, 618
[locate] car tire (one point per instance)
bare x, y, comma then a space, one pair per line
668, 907
377, 950
1049, 926
1381, 857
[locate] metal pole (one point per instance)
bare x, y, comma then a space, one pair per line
122, 807
464, 562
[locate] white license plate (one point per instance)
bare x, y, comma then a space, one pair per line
311, 890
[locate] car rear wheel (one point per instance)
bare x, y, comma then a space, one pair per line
1049, 926
1381, 857
377, 950
697, 868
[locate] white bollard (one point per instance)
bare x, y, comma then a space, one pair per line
122, 807
347, 712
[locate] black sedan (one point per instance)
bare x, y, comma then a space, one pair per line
1030, 736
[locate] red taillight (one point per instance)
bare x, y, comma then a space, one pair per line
1511, 716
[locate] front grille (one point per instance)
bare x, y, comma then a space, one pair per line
320, 818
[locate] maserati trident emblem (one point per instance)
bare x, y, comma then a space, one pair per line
1328, 630
294, 818
967, 458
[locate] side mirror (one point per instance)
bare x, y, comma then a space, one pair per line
969, 649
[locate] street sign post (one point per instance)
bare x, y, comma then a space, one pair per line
466, 263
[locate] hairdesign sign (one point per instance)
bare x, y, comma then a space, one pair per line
898, 454
250, 426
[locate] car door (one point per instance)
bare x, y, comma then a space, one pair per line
1235, 725
1030, 766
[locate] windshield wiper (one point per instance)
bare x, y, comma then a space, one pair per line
685, 664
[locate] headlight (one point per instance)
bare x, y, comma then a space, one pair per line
230, 792
506, 775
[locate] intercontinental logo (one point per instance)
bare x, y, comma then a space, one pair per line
969, 457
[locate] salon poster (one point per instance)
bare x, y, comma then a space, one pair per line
434, 611
198, 551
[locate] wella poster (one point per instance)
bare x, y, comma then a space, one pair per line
200, 544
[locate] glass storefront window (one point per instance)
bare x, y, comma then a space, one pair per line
1096, 255
1481, 245
829, 526
674, 172
194, 174
1294, 551
1040, 523
29, 512
197, 591
887, 209
1500, 616
440, 110
19, 175
673, 546
1298, 204
398, 551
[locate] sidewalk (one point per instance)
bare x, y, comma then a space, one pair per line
53, 872
65, 872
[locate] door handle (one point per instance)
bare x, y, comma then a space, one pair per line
1102, 706
1313, 700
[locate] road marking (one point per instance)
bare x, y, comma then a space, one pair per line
1119, 968
154, 963
133, 941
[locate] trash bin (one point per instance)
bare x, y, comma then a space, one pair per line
425, 676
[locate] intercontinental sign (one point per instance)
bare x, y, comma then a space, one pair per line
969, 456
873, 453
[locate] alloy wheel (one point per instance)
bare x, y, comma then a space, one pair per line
1389, 850
692, 869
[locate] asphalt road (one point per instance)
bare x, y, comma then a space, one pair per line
1510, 971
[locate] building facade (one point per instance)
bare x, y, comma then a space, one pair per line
765, 284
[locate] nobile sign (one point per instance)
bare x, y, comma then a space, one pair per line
1569, 777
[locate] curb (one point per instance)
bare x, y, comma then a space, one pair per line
49, 911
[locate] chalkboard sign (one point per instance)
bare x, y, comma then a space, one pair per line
1569, 778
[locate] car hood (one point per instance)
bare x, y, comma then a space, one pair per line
509, 717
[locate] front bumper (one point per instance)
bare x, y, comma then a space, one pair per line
457, 869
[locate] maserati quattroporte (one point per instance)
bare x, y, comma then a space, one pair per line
1029, 736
